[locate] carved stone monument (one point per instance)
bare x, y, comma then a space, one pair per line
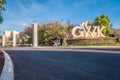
88, 34
86, 31
7, 35
14, 38
3, 40
35, 34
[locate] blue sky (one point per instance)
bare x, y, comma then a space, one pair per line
20, 13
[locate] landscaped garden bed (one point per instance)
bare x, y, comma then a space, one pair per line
2, 59
96, 44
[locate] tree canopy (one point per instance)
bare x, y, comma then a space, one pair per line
101, 21
2, 8
53, 30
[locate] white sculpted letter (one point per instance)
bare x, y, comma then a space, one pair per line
93, 32
74, 31
85, 31
99, 31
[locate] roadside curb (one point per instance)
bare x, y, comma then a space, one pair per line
7, 72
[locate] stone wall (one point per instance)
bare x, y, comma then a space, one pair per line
96, 40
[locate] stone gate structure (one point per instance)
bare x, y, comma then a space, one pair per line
14, 34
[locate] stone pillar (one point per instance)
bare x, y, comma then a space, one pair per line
3, 40
35, 34
14, 38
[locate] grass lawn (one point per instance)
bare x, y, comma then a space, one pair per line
96, 44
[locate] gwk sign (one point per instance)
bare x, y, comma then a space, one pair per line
86, 31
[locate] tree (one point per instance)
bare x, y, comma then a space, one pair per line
26, 35
49, 31
117, 34
2, 8
29, 35
101, 21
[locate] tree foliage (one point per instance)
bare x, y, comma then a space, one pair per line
101, 21
26, 36
2, 8
53, 30
48, 32
117, 34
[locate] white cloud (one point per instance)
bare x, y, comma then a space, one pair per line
22, 17
32, 9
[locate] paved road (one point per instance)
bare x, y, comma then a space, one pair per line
65, 65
